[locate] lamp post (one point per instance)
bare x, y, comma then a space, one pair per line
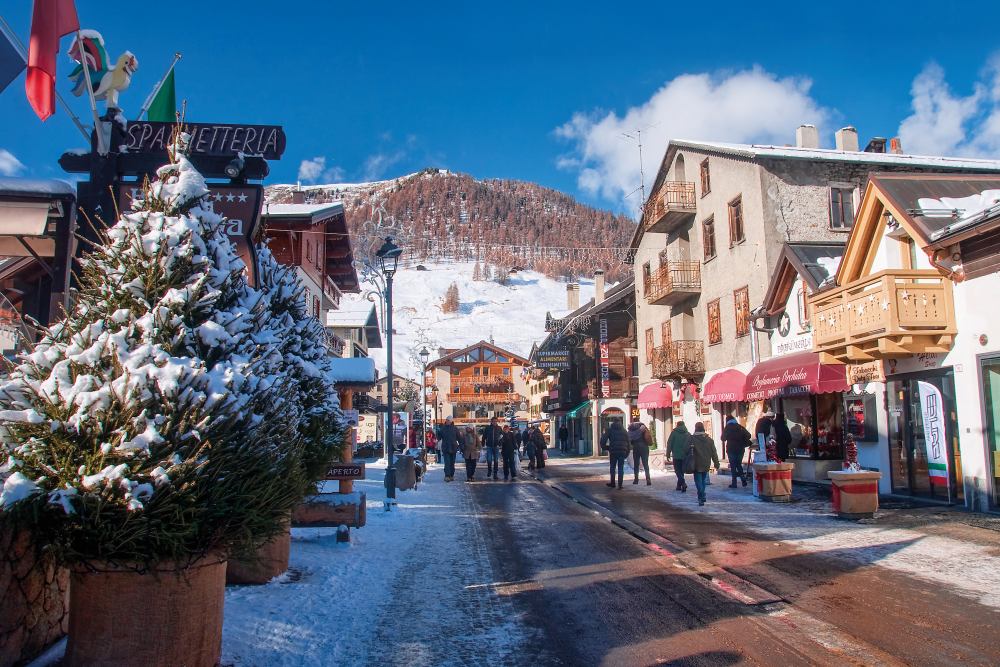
388, 259
424, 356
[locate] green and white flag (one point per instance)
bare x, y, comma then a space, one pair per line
935, 439
164, 105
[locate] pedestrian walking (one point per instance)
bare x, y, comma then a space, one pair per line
736, 439
678, 447
529, 449
431, 440
615, 440
640, 439
492, 437
508, 452
564, 438
449, 444
782, 436
539, 445
470, 452
705, 456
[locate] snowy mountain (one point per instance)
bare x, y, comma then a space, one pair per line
440, 215
512, 315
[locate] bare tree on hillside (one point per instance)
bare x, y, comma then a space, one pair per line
451, 302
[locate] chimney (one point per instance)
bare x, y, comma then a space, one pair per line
895, 146
572, 296
876, 145
807, 136
847, 139
298, 197
598, 286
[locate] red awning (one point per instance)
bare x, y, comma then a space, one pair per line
654, 396
724, 387
794, 375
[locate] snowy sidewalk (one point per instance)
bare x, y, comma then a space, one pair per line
410, 589
965, 561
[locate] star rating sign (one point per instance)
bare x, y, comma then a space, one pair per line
243, 197
217, 196
230, 197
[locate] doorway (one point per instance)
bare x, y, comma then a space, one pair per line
989, 372
924, 456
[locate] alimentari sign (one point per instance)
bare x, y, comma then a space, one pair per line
266, 141
553, 359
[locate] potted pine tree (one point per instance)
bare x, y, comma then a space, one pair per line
151, 431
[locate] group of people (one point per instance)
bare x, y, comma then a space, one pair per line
501, 444
620, 442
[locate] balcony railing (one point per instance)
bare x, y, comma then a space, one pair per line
892, 313
502, 382
679, 358
673, 282
673, 205
484, 398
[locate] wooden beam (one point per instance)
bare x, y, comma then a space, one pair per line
857, 353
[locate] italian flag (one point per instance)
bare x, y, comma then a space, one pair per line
164, 105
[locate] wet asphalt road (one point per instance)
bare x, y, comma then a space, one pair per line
697, 592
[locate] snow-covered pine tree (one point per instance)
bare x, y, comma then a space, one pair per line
149, 425
308, 364
477, 272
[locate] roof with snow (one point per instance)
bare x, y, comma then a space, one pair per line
356, 372
357, 315
35, 187
338, 254
815, 263
302, 210
516, 358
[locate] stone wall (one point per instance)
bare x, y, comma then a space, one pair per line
34, 596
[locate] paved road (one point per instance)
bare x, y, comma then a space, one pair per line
693, 591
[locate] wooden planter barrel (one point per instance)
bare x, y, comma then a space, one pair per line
773, 481
855, 494
270, 560
162, 618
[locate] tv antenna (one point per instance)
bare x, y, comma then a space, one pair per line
637, 138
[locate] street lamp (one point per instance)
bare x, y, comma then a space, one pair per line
424, 356
388, 260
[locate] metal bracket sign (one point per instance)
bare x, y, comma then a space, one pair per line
346, 470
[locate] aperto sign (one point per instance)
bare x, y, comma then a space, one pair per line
266, 141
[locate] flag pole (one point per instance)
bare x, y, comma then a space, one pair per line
16, 41
98, 130
156, 90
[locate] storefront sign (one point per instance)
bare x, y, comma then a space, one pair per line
605, 360
351, 417
932, 412
266, 141
918, 362
346, 470
239, 204
634, 414
367, 428
557, 360
872, 371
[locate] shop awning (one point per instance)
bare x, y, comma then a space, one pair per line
578, 410
725, 386
794, 375
655, 396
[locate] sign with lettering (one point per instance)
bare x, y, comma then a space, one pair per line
932, 414
239, 204
553, 359
218, 139
872, 371
352, 470
605, 360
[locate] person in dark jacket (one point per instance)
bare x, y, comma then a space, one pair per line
448, 442
508, 450
736, 439
538, 440
492, 436
615, 439
763, 427
639, 438
705, 455
677, 451
782, 436
564, 437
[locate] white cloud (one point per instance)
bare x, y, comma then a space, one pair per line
378, 164
315, 170
943, 123
9, 165
747, 106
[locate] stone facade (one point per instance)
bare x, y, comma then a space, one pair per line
34, 598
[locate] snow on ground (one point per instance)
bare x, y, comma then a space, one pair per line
408, 582
513, 315
968, 569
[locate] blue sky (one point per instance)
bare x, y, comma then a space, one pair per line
539, 91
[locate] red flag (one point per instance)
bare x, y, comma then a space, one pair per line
50, 20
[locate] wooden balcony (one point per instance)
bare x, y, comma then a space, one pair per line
669, 208
893, 313
679, 359
483, 398
496, 383
672, 283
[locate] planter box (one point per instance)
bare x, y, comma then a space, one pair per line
162, 618
855, 494
331, 510
773, 481
270, 560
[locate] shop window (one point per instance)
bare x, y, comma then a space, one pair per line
475, 370
649, 346
714, 323
708, 237
706, 181
736, 232
741, 299
841, 207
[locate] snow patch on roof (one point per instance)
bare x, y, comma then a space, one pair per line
358, 370
296, 210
